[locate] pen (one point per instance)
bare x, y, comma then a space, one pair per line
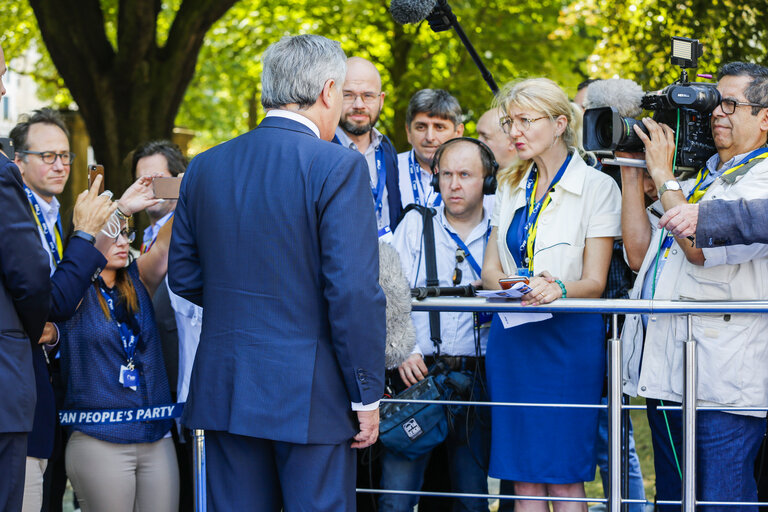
659, 215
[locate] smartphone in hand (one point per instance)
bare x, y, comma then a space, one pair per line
509, 282
93, 171
166, 187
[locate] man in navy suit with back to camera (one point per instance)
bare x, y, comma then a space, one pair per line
275, 236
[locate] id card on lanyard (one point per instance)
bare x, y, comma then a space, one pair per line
531, 214
53, 239
129, 374
414, 171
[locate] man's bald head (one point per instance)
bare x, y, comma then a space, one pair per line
363, 98
489, 131
359, 68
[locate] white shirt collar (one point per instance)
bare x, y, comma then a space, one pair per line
288, 114
50, 210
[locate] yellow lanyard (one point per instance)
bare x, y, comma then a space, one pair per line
57, 235
698, 191
534, 227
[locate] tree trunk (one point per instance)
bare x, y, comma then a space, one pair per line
130, 94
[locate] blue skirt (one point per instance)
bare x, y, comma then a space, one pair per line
560, 360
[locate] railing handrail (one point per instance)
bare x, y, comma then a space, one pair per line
641, 306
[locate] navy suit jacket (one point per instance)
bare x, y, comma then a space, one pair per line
24, 301
274, 235
80, 263
732, 222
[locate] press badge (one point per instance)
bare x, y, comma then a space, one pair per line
129, 378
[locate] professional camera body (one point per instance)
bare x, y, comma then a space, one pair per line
684, 106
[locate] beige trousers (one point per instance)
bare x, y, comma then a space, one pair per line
33, 484
111, 477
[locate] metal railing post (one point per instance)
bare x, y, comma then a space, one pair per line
614, 418
689, 420
198, 456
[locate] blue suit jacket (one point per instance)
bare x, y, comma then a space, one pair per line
732, 222
80, 263
274, 235
24, 301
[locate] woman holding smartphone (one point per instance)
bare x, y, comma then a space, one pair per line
111, 358
554, 221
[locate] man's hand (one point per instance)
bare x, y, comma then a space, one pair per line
659, 149
50, 335
92, 210
413, 369
681, 220
138, 196
369, 428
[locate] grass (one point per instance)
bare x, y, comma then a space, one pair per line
644, 452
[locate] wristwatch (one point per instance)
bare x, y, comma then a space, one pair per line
669, 185
85, 236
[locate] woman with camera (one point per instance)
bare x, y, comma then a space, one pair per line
111, 358
554, 222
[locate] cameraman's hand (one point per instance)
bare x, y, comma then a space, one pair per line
138, 196
92, 210
369, 428
413, 369
659, 150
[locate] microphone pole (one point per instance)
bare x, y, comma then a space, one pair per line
442, 18
437, 291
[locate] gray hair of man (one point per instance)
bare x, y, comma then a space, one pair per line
296, 68
434, 103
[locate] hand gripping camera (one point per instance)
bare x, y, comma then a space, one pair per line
684, 106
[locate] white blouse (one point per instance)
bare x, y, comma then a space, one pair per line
586, 203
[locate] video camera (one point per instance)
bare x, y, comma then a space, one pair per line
684, 106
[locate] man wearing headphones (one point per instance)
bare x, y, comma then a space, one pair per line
463, 173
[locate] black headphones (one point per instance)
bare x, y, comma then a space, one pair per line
489, 182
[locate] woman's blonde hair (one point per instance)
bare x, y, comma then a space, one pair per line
545, 96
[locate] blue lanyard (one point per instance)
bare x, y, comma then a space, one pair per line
413, 170
531, 220
49, 237
127, 336
378, 190
381, 170
463, 247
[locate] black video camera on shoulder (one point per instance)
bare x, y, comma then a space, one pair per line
684, 106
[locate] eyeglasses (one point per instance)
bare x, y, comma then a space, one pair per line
523, 123
368, 98
49, 157
729, 106
128, 234
457, 275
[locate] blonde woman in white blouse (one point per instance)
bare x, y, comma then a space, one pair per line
555, 220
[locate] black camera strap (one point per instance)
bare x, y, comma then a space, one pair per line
430, 262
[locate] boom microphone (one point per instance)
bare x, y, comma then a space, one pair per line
411, 11
623, 94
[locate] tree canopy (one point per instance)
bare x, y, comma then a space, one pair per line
137, 67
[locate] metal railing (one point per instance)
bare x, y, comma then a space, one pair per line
615, 406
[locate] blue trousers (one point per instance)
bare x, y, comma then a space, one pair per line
726, 448
635, 476
13, 461
468, 447
260, 475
